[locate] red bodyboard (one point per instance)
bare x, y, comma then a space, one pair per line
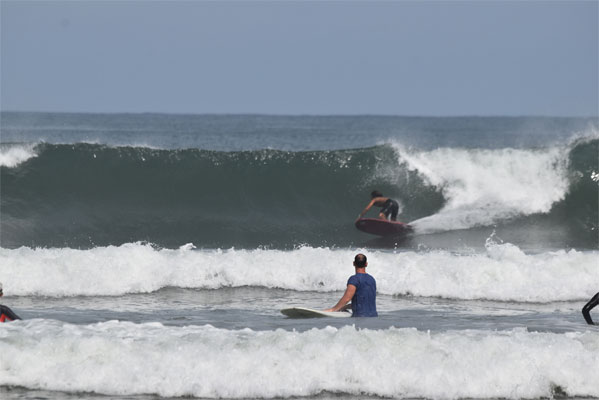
381, 227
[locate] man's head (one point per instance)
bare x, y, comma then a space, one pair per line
376, 193
360, 261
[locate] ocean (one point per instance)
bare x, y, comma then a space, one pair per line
149, 256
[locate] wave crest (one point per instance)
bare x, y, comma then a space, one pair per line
111, 196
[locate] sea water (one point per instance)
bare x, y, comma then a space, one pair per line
149, 255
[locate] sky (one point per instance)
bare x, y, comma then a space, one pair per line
425, 58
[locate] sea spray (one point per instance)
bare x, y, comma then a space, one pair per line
483, 187
12, 155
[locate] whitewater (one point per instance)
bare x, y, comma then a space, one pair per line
149, 256
207, 362
503, 272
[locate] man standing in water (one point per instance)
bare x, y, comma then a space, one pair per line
586, 310
6, 313
388, 206
361, 290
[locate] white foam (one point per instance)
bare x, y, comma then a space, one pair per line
482, 187
11, 155
122, 358
503, 272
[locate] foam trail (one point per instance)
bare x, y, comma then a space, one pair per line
503, 272
11, 155
122, 358
486, 186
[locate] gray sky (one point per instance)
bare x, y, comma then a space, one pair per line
392, 58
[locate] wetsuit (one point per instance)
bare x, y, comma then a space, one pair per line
588, 307
390, 207
6, 314
363, 304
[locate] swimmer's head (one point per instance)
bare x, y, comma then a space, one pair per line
360, 261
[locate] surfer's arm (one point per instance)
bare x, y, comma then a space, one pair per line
368, 207
586, 310
346, 298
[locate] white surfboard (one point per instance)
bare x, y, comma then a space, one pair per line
302, 312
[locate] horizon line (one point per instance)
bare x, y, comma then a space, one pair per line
263, 114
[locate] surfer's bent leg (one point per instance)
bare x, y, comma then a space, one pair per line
387, 210
394, 210
586, 310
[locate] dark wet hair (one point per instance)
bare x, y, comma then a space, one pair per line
376, 193
360, 260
